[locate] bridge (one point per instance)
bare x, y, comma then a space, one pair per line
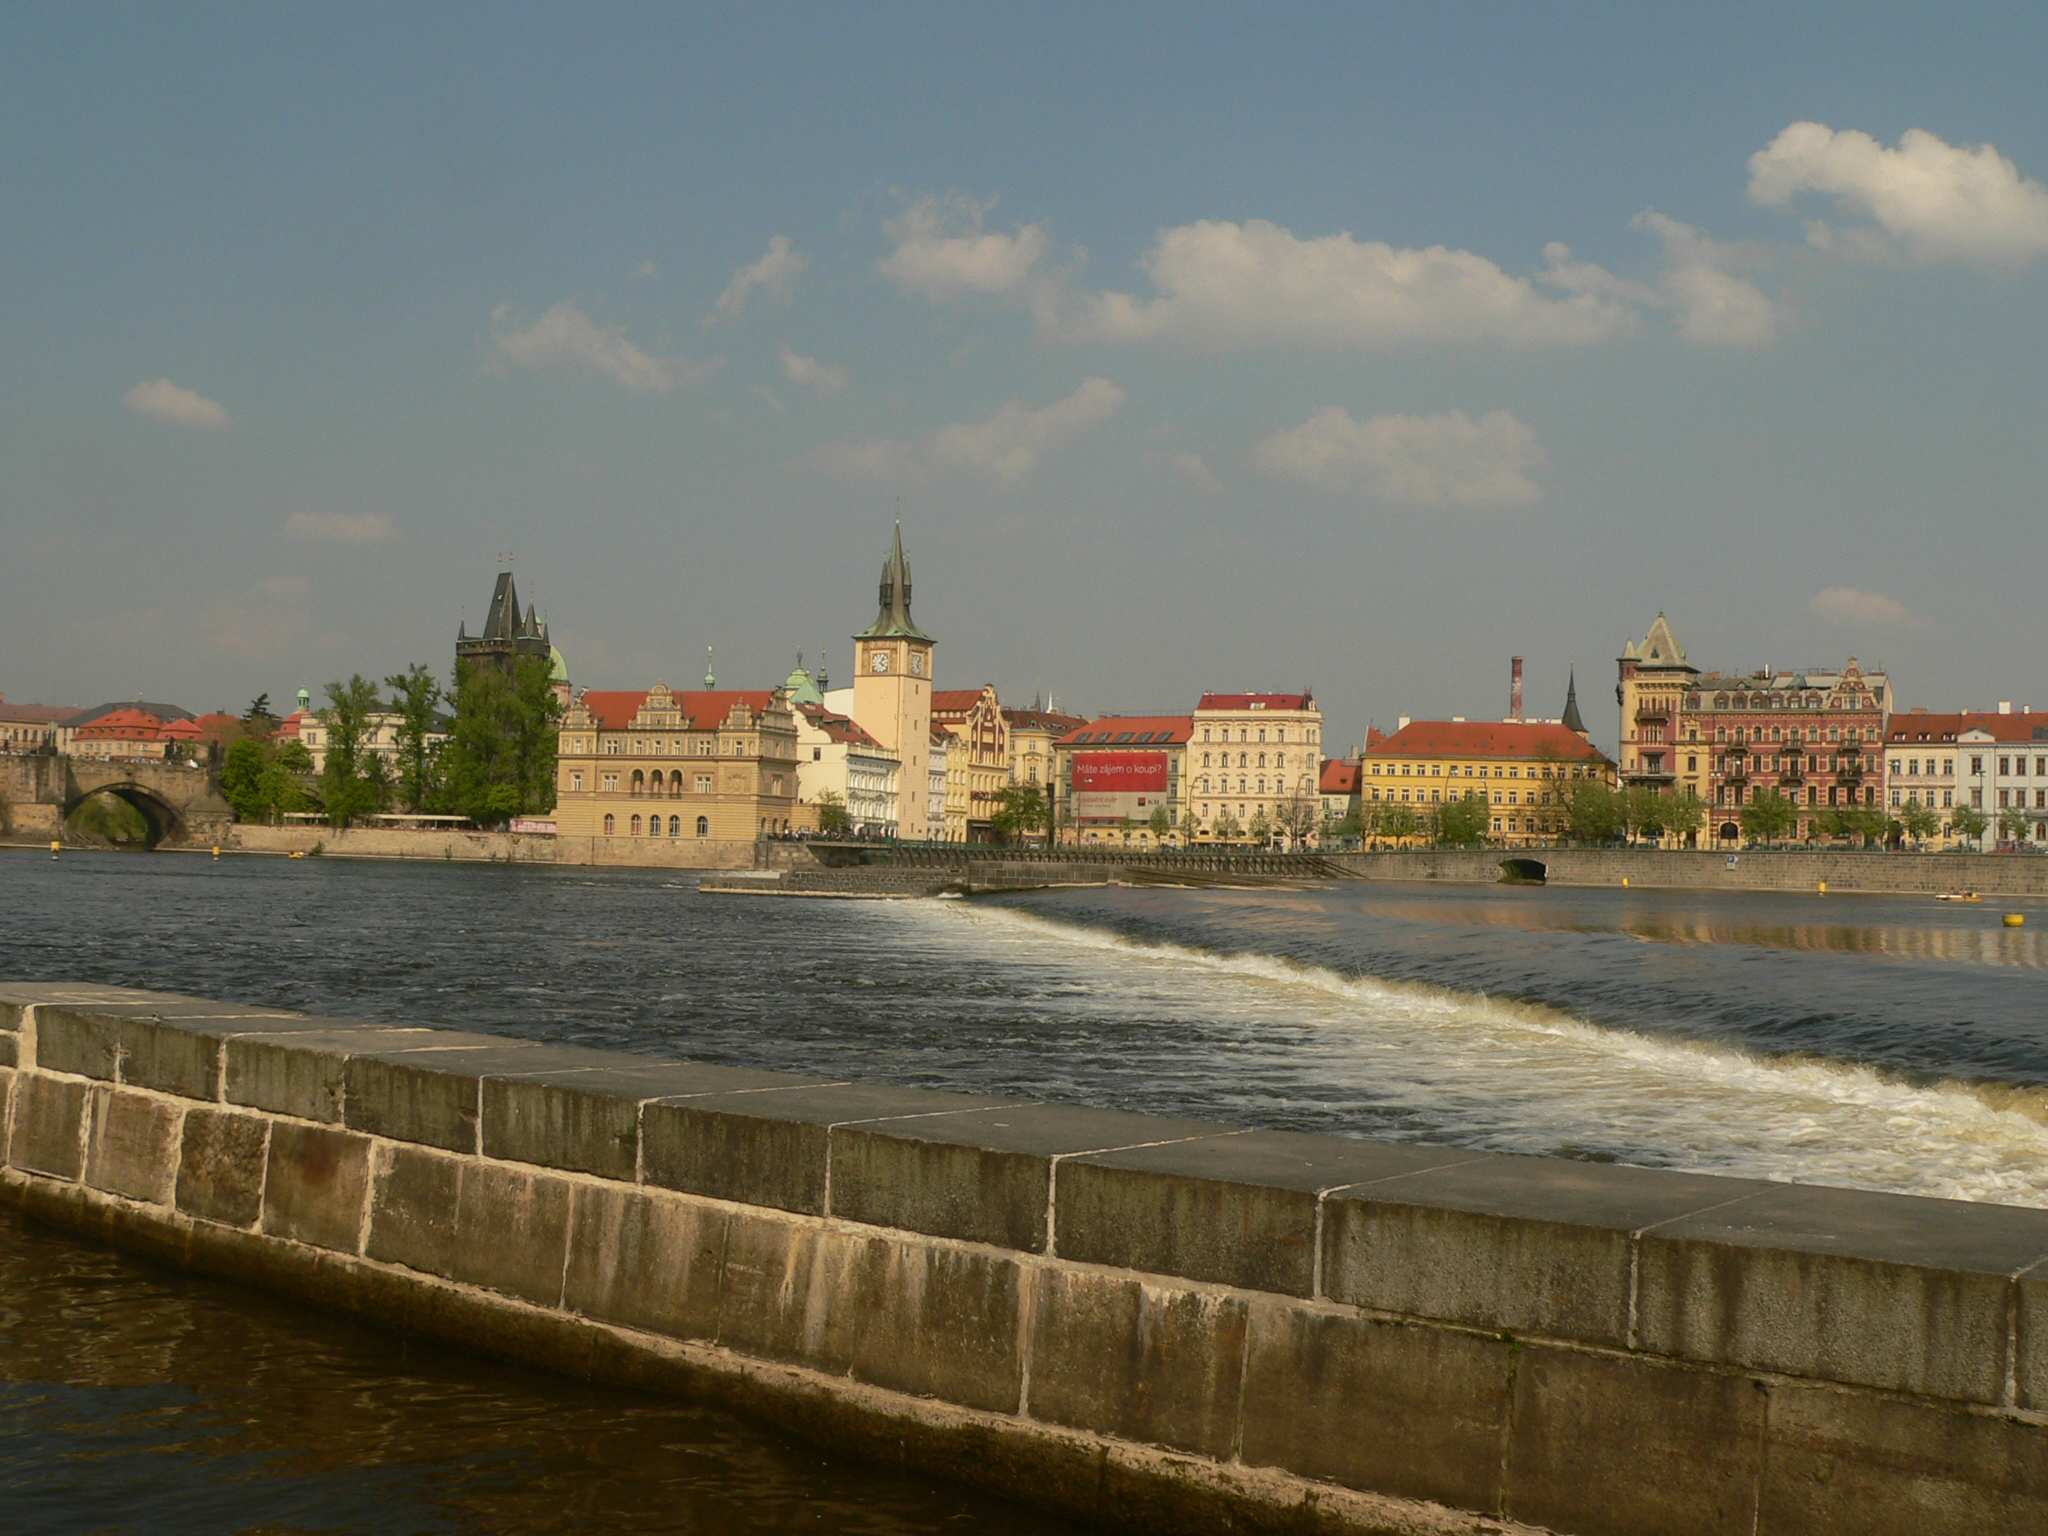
181, 802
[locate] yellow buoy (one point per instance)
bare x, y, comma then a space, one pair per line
216, 850
1624, 882
56, 847
1823, 888
2015, 919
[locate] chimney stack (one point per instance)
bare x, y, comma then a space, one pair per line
1515, 688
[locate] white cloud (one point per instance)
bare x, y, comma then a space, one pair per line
1925, 201
1001, 449
1191, 469
942, 251
1852, 605
1713, 306
1222, 284
341, 527
774, 272
566, 337
1451, 460
161, 400
809, 373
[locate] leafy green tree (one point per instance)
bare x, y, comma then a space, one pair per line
2012, 823
1592, 812
1161, 824
416, 700
1685, 813
1261, 828
1967, 822
1919, 822
1398, 822
1646, 812
258, 719
1768, 816
377, 781
1228, 828
833, 819
500, 757
241, 778
1463, 823
346, 791
1021, 809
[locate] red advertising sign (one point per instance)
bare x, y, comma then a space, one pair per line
1114, 786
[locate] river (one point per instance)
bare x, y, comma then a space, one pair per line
1890, 1043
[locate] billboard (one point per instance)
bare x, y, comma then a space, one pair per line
1114, 786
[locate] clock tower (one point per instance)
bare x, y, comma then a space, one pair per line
892, 690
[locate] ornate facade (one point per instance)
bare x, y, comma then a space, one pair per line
978, 767
1522, 770
892, 687
1255, 758
718, 765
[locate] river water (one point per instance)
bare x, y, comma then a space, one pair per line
1884, 1043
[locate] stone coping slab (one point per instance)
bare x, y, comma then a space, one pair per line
1240, 1210
986, 1176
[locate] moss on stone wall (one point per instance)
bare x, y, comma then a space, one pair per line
108, 819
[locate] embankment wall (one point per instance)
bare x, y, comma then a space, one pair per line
495, 847
1161, 1325
1992, 874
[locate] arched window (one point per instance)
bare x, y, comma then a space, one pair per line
610, 824
703, 826
635, 825
639, 785
675, 783
675, 826
654, 826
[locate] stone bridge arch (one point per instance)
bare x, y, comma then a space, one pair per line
1523, 871
177, 800
163, 819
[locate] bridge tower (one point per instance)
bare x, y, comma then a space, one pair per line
892, 689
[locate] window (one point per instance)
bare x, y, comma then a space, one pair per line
675, 826
654, 826
635, 824
610, 824
703, 783
703, 826
576, 781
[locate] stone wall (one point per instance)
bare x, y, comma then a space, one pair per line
1992, 874
1162, 1325
498, 847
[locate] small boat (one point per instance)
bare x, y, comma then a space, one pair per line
300, 853
1959, 896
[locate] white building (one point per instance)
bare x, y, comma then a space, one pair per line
935, 805
1994, 762
380, 738
835, 756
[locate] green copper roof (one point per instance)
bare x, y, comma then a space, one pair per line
800, 686
894, 622
558, 669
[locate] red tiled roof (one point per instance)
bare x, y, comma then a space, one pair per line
181, 730
1263, 700
1920, 725
1340, 776
841, 728
1373, 737
614, 709
130, 725
1164, 731
955, 701
1486, 738
37, 714
1056, 721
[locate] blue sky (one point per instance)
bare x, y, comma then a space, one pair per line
1324, 346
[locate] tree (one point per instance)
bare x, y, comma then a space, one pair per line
1967, 822
1020, 810
1768, 816
241, 778
416, 700
1645, 812
1295, 817
1190, 825
1463, 823
1261, 829
1685, 813
500, 757
1919, 822
2012, 823
1161, 824
1399, 822
1592, 812
833, 820
1228, 829
258, 718
346, 790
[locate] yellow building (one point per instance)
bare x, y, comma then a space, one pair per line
892, 689
1521, 770
1255, 760
978, 767
1660, 744
717, 766
1032, 734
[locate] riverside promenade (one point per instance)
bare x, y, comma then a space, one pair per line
1160, 1325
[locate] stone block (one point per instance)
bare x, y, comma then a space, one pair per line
771, 1148
49, 1126
893, 1312
645, 1260
10, 1050
512, 1232
984, 1176
316, 1185
425, 1093
1395, 1408
1773, 1281
85, 1044
1854, 1462
1240, 1210
1520, 1244
413, 1201
588, 1118
1615, 1446
131, 1146
301, 1072
220, 1166
2030, 1346
1142, 1362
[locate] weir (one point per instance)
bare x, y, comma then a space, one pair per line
1156, 1324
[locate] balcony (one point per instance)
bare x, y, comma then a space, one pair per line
1735, 769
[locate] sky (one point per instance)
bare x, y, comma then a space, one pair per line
1340, 347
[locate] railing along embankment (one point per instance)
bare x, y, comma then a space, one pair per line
1159, 1324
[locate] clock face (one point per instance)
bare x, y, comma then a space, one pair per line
917, 663
881, 661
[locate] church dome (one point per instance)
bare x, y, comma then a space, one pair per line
558, 669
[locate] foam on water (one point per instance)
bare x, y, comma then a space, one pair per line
1419, 1062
